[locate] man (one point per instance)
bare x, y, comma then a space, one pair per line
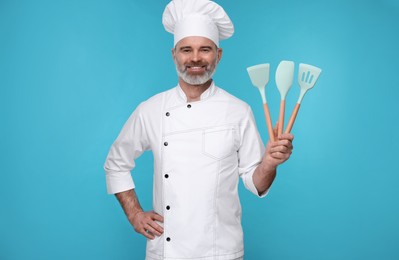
203, 139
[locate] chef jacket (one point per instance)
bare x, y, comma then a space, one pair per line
200, 150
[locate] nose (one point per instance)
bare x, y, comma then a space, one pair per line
195, 57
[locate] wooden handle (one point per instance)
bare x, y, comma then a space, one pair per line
281, 118
292, 118
268, 122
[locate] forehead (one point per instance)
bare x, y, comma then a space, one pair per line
195, 42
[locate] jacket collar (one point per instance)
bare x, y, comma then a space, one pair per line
207, 93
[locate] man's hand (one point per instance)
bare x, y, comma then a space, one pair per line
276, 153
279, 151
142, 222
145, 224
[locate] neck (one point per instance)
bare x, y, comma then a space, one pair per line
194, 92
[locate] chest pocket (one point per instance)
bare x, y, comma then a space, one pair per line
219, 143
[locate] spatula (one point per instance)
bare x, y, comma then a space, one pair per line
259, 75
307, 77
284, 78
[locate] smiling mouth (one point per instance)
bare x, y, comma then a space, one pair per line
196, 68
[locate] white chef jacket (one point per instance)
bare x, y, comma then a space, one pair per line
200, 150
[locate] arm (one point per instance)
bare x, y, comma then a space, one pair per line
142, 222
276, 153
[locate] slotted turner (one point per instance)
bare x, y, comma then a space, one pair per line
307, 77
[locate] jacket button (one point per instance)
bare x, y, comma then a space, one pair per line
167, 114
165, 143
188, 106
166, 176
168, 239
168, 207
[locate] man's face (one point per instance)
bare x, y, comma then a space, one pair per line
196, 59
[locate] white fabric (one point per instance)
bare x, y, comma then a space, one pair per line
209, 146
204, 18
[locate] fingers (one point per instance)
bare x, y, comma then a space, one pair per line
277, 146
153, 227
147, 234
155, 231
154, 216
282, 148
145, 224
280, 156
275, 129
157, 228
158, 217
280, 144
286, 136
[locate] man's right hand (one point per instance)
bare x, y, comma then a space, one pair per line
145, 224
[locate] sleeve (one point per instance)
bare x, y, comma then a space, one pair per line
130, 144
250, 152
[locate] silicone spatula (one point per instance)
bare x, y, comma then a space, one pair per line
259, 75
284, 79
307, 77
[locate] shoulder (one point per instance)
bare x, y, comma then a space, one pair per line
233, 101
155, 101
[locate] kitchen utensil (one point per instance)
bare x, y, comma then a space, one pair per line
259, 75
307, 77
284, 79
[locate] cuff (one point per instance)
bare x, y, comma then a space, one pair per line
249, 184
118, 182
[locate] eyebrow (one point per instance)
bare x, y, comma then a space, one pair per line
190, 47
185, 47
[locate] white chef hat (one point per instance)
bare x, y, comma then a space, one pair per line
204, 18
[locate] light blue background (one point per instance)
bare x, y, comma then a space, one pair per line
71, 72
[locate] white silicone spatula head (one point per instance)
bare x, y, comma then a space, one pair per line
284, 77
259, 75
307, 77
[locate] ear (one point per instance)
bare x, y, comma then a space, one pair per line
220, 52
173, 54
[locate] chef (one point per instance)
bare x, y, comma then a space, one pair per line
203, 140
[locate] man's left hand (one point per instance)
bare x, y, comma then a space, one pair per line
278, 151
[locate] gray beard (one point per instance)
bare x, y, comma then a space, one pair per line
197, 79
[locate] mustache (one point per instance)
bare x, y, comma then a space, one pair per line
196, 64
199, 64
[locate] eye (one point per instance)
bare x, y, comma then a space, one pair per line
186, 50
205, 50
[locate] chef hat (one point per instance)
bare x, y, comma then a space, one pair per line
204, 18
